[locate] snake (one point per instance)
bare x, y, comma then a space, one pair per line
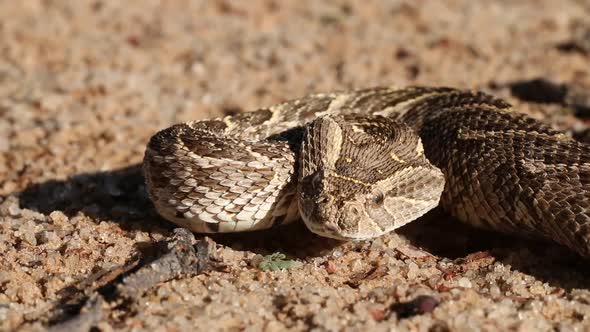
358, 164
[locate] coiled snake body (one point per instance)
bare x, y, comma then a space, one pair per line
356, 165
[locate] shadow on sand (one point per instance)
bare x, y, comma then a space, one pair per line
120, 196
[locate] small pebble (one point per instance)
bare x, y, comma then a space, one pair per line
14, 210
418, 306
464, 282
58, 217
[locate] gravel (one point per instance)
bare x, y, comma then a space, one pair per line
84, 84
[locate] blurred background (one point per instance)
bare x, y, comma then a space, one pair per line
84, 84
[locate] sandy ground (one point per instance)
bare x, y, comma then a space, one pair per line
84, 84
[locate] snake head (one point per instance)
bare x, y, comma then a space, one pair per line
361, 177
346, 211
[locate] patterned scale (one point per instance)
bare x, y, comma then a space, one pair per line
350, 164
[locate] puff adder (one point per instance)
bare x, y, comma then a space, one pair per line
359, 164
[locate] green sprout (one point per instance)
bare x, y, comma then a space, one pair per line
277, 262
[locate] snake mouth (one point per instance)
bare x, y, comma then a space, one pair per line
349, 222
355, 223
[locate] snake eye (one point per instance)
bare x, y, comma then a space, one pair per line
377, 197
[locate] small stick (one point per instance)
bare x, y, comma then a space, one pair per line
182, 259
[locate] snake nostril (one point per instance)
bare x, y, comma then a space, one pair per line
354, 211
